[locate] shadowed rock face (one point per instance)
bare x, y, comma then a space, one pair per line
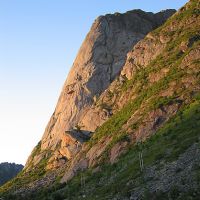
99, 61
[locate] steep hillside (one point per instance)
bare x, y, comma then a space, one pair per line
139, 137
160, 77
9, 171
99, 61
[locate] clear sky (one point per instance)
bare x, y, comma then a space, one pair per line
39, 40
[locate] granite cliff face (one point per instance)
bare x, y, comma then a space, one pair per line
99, 61
127, 122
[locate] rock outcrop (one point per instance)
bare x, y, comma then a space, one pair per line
99, 61
151, 85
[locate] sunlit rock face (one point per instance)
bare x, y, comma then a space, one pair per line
98, 62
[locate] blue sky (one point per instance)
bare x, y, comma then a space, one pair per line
39, 40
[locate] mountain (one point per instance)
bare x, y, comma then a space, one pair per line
9, 171
127, 123
98, 63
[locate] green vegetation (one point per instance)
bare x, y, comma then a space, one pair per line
36, 150
170, 58
178, 135
184, 14
26, 177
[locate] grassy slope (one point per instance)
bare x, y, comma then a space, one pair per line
170, 58
24, 178
178, 135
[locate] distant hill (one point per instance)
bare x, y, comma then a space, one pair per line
9, 171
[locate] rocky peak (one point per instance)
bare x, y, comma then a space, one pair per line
131, 92
99, 61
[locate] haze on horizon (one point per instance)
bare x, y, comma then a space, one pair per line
38, 43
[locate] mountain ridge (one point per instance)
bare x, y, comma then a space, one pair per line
150, 109
9, 171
